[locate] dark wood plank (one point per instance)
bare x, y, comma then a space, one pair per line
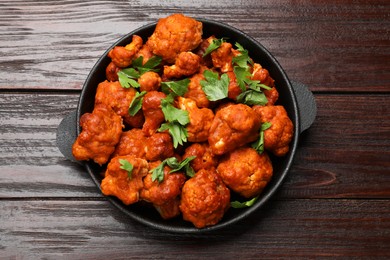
344, 154
283, 229
337, 46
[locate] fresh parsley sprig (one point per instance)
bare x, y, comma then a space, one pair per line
136, 103
259, 144
245, 204
127, 166
215, 44
128, 77
252, 93
175, 165
176, 120
178, 88
214, 87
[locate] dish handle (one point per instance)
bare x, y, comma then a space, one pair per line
66, 135
307, 106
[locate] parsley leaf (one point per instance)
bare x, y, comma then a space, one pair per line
245, 204
176, 119
215, 44
177, 131
179, 88
243, 58
127, 166
136, 103
127, 78
150, 65
259, 144
175, 165
173, 114
215, 88
252, 97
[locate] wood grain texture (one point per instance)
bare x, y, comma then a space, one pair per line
339, 156
94, 230
342, 45
335, 201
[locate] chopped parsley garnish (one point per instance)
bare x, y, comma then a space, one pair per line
251, 89
215, 44
128, 77
214, 87
179, 88
176, 119
259, 144
175, 165
136, 103
127, 166
243, 58
245, 204
150, 65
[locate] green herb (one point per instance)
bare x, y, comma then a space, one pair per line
179, 88
136, 103
215, 88
127, 166
245, 204
127, 78
176, 119
243, 58
178, 132
150, 65
175, 165
215, 44
252, 97
259, 144
173, 114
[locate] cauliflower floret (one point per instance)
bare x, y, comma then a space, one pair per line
173, 35
245, 171
205, 159
278, 137
200, 120
117, 181
233, 126
186, 64
121, 56
118, 98
204, 199
101, 131
164, 195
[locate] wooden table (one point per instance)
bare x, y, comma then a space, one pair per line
335, 201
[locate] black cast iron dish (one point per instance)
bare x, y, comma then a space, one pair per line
295, 97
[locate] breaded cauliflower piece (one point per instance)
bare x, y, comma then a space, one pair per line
261, 74
173, 35
186, 64
245, 171
205, 159
101, 131
121, 56
118, 183
195, 91
151, 107
234, 125
164, 195
200, 120
132, 142
278, 137
119, 99
204, 199
149, 81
